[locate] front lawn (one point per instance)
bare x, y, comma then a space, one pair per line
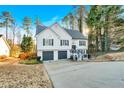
23, 76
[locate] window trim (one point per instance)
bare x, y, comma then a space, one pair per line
64, 42
82, 43
48, 42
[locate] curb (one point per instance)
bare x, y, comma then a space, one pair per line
48, 76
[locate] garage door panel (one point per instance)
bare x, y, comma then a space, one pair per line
62, 54
48, 55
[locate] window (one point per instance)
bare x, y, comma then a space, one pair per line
64, 42
61, 42
48, 42
74, 47
82, 43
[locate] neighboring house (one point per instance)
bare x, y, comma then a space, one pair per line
4, 46
56, 42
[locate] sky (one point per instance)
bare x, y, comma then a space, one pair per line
48, 14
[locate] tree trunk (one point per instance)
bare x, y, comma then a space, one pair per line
80, 25
13, 37
97, 40
6, 30
106, 35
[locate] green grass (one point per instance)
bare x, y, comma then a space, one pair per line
30, 62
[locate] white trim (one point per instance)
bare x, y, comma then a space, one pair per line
62, 28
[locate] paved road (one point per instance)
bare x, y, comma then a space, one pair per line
89, 75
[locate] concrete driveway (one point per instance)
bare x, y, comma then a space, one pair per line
66, 74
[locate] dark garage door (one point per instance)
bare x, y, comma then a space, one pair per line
47, 55
62, 54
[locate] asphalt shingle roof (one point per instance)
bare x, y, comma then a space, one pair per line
75, 34
40, 28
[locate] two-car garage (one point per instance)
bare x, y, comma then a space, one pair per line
62, 54
50, 55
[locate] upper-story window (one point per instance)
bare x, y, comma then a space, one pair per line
64, 42
48, 42
82, 43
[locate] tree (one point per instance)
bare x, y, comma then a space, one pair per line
71, 21
27, 43
80, 16
37, 22
93, 21
18, 35
65, 21
6, 16
75, 18
14, 29
110, 13
102, 21
27, 25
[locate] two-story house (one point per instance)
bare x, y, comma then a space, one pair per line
55, 42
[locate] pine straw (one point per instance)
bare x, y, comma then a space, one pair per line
111, 56
23, 76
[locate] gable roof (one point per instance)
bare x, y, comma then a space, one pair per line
1, 36
75, 34
40, 28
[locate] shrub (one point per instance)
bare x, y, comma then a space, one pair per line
15, 51
23, 56
30, 62
28, 55
32, 56
3, 56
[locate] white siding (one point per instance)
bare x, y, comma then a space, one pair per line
63, 36
68, 54
47, 34
39, 53
55, 55
4, 50
58, 34
76, 42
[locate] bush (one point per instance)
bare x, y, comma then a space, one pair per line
23, 56
3, 56
38, 58
15, 51
32, 56
30, 62
28, 55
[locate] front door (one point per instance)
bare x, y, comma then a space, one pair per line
74, 47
